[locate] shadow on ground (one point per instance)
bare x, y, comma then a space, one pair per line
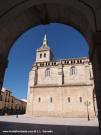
10, 128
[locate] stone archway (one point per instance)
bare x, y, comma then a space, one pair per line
84, 15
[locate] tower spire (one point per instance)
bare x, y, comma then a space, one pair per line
45, 42
44, 53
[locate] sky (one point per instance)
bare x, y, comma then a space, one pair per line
64, 41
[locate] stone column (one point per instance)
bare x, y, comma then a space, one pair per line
3, 66
96, 63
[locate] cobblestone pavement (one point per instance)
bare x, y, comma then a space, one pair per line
26, 125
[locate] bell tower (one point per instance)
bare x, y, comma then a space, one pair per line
44, 52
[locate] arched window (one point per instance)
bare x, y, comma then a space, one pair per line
73, 70
44, 54
51, 99
80, 99
40, 55
68, 99
39, 99
47, 72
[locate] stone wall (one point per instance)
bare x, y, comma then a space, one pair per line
53, 101
61, 74
63, 90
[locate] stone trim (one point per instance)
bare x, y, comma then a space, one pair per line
64, 85
63, 62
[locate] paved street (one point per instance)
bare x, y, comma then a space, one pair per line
26, 125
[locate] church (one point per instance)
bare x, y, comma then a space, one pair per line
60, 88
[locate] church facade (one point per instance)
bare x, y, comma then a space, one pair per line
61, 88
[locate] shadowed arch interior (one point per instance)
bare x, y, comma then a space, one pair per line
22, 15
42, 14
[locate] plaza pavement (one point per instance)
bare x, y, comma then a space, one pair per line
27, 125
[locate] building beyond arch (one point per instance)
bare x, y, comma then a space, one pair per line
61, 90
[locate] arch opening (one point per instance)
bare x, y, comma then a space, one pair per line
63, 37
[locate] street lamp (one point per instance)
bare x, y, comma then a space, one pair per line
87, 103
